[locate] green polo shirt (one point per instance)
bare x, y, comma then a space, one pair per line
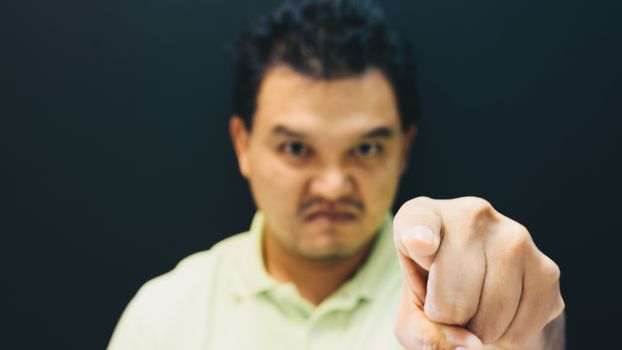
224, 298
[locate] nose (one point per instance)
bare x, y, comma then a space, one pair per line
331, 184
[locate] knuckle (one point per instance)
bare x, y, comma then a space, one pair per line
487, 327
553, 271
476, 212
518, 239
550, 271
513, 244
452, 313
521, 231
557, 305
417, 341
425, 343
475, 205
561, 306
484, 333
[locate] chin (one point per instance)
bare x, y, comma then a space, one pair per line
330, 241
325, 255
328, 249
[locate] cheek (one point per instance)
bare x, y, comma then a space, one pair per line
274, 184
379, 187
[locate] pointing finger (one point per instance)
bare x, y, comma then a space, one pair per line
417, 230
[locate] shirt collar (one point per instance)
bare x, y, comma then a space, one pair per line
253, 278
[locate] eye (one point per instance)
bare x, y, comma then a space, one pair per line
295, 149
367, 150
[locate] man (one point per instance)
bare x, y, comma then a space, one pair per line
324, 117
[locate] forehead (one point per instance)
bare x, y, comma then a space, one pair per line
344, 105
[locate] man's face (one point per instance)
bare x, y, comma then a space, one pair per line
323, 159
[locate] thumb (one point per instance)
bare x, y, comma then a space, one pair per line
415, 332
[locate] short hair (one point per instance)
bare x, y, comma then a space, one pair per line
324, 39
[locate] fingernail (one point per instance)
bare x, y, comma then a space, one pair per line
423, 233
461, 348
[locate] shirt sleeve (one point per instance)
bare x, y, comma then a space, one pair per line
133, 331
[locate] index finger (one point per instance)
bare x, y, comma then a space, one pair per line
417, 231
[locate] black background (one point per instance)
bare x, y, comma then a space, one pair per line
114, 115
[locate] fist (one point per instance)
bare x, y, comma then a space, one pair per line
471, 277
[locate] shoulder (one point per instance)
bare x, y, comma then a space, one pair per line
169, 304
195, 273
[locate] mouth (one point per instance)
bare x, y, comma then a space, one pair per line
331, 217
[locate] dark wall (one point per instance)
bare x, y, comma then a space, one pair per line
114, 115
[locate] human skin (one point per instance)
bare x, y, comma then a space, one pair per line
324, 159
473, 276
321, 147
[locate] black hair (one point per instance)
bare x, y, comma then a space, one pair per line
324, 39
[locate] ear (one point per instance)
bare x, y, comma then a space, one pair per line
409, 136
240, 138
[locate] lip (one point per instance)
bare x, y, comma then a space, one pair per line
331, 216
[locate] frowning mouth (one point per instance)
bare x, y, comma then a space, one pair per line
331, 217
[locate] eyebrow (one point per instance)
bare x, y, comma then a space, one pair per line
281, 130
379, 132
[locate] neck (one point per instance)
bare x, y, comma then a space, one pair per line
315, 279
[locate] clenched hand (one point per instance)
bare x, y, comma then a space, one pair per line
471, 277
